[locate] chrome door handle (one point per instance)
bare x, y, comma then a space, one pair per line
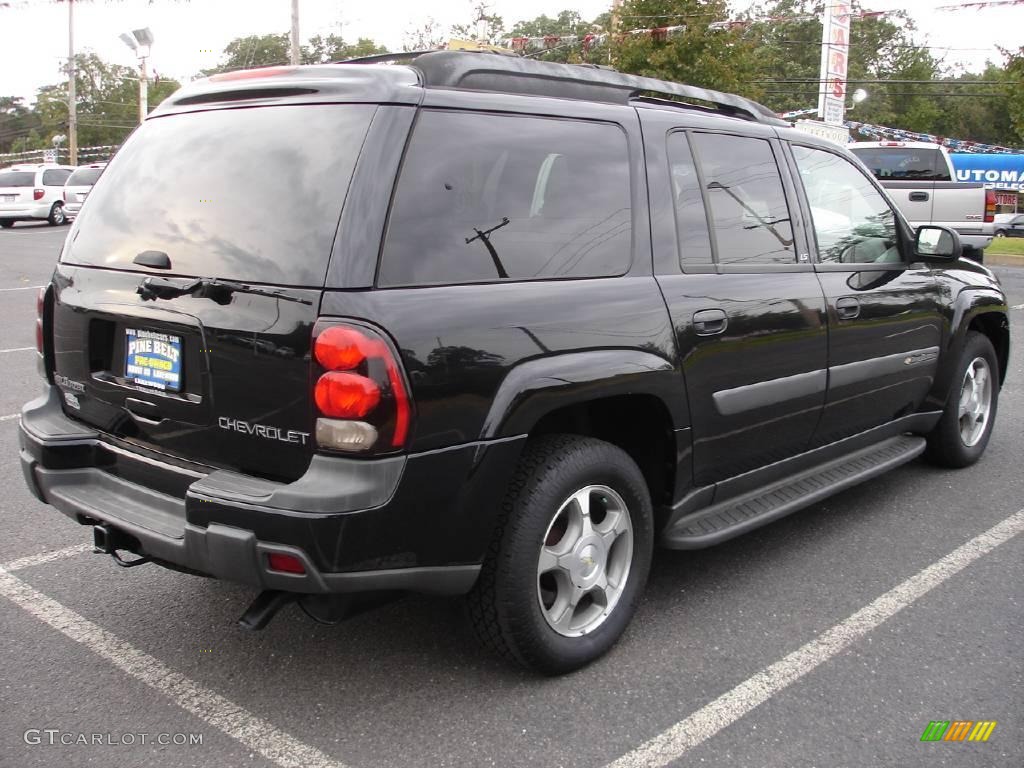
710, 322
847, 308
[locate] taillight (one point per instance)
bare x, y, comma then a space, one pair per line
37, 194
990, 206
360, 393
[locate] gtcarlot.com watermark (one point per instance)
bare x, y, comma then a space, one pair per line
55, 736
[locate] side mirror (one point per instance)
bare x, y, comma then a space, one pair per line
937, 244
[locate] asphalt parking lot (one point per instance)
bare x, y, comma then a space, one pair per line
830, 638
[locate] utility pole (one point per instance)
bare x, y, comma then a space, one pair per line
72, 98
295, 32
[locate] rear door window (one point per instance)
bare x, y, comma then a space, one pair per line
55, 177
249, 194
506, 197
84, 177
749, 213
17, 178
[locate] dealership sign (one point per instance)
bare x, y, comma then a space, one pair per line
835, 48
996, 171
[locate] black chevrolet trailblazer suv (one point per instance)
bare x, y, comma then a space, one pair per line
474, 324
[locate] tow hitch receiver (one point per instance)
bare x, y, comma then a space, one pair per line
107, 541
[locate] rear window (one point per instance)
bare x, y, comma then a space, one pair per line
249, 194
504, 197
84, 177
903, 163
17, 178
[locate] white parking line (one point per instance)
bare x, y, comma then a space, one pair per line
9, 416
24, 288
254, 732
17, 349
45, 557
677, 740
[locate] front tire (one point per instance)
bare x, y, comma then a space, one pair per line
570, 558
963, 432
57, 217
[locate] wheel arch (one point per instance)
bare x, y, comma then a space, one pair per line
980, 310
631, 398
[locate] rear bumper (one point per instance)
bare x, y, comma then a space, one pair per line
71, 209
420, 522
978, 242
22, 211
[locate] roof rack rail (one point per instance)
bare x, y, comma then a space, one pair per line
483, 71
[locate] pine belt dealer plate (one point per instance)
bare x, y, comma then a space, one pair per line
153, 359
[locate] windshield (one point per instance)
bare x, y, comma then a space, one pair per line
903, 163
251, 194
84, 177
17, 178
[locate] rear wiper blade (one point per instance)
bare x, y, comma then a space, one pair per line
207, 288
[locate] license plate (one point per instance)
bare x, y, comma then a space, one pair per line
153, 359
8, 198
81, 196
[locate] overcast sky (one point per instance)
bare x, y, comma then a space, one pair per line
190, 36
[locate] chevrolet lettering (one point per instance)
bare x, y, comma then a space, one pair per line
262, 430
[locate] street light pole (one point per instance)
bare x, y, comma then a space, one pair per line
143, 90
72, 98
140, 41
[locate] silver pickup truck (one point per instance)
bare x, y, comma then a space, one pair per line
920, 179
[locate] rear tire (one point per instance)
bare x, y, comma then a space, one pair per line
6, 223
57, 217
559, 585
963, 432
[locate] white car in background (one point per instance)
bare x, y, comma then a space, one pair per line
78, 185
33, 192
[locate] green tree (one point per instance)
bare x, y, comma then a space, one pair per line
17, 122
1015, 92
254, 51
321, 50
107, 102
426, 37
722, 59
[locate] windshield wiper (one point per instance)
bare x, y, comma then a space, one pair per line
212, 288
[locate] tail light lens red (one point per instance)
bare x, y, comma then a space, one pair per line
37, 194
346, 395
359, 390
990, 206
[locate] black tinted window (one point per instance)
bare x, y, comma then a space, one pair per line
17, 178
245, 194
691, 219
84, 177
903, 163
55, 177
745, 194
488, 197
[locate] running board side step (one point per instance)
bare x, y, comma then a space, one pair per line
720, 522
